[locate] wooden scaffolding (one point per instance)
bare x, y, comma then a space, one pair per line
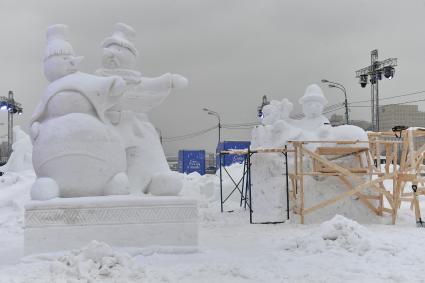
364, 177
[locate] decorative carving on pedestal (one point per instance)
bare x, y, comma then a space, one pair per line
109, 216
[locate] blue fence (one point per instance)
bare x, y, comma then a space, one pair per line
229, 159
192, 161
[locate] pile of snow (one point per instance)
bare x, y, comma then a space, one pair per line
94, 263
21, 157
339, 233
206, 189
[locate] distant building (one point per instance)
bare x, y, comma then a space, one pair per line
337, 120
400, 115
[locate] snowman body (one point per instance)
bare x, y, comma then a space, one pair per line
73, 143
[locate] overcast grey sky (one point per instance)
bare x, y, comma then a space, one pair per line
232, 52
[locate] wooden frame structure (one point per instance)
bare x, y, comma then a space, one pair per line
404, 165
355, 179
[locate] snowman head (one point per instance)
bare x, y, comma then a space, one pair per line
313, 102
59, 56
119, 52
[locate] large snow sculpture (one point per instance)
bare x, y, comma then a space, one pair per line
76, 152
82, 131
147, 167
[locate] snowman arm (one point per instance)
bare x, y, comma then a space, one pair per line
158, 84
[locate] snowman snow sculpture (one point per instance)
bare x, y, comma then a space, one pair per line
147, 167
313, 102
76, 152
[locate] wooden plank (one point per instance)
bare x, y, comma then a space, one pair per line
388, 157
363, 198
352, 170
387, 210
334, 141
340, 150
336, 167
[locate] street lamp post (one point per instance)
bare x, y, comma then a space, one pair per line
342, 88
210, 112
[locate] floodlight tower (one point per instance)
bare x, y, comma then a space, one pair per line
264, 102
12, 107
374, 72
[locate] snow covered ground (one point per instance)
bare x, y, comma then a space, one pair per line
230, 249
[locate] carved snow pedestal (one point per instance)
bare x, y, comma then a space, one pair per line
120, 221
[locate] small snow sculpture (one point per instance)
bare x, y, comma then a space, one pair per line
76, 151
268, 200
147, 167
278, 127
21, 157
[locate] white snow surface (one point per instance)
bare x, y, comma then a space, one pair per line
230, 249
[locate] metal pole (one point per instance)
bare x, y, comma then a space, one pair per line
377, 106
374, 90
346, 108
219, 130
10, 125
287, 181
250, 186
221, 181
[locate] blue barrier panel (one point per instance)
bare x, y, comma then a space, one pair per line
229, 159
191, 161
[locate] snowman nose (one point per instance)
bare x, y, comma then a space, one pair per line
74, 61
108, 52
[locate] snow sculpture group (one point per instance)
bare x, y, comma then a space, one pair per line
278, 128
269, 199
101, 170
91, 133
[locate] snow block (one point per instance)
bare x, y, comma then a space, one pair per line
120, 221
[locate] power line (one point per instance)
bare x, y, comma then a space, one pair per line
188, 136
391, 97
405, 102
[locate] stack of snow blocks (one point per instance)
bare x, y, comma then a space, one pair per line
120, 221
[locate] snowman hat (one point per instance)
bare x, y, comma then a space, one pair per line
57, 41
123, 35
313, 93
